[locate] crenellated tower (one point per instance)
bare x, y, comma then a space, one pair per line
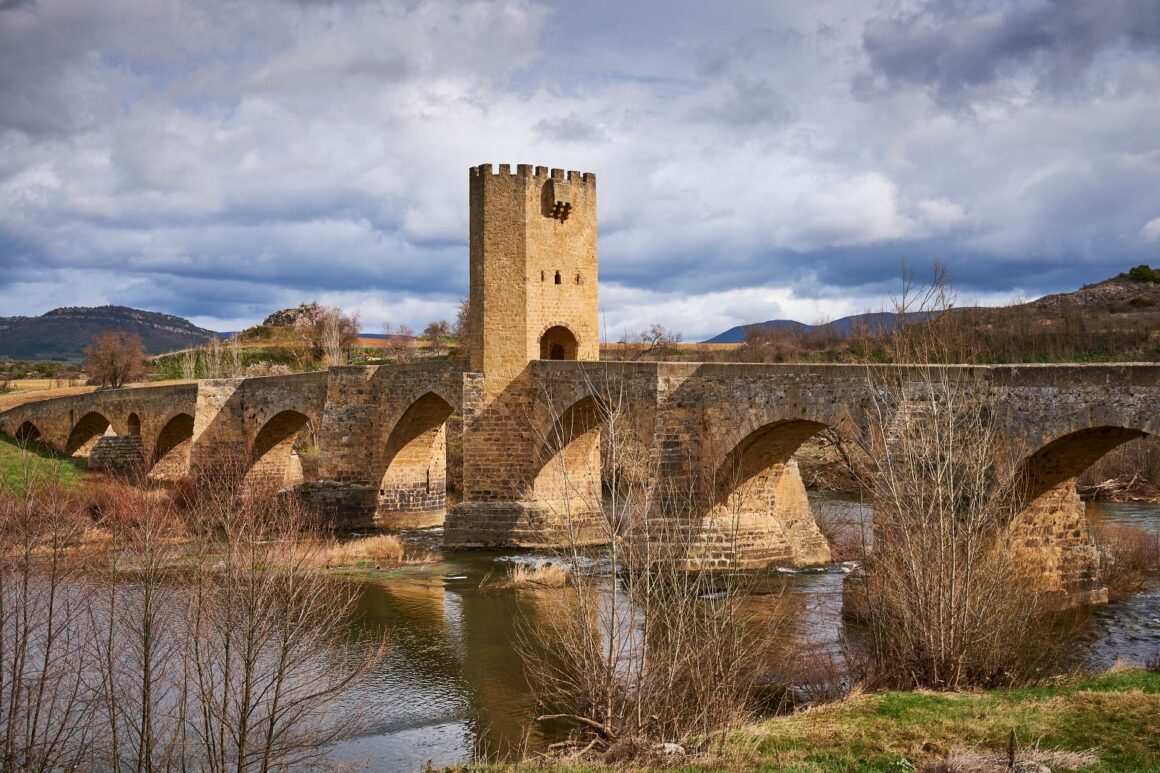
533, 267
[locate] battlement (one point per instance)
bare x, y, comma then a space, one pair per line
527, 170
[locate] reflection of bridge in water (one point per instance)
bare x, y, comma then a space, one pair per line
532, 419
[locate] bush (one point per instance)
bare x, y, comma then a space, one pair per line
1128, 555
1144, 273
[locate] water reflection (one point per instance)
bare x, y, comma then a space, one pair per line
453, 681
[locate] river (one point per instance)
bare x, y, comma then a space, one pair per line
453, 685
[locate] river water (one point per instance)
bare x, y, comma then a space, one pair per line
453, 686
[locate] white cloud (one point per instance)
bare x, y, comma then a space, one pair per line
1151, 230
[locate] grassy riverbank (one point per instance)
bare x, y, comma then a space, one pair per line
20, 464
1101, 723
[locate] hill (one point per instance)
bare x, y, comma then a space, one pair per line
62, 334
880, 320
1117, 319
1119, 295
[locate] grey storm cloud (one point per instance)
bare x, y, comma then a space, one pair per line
220, 160
954, 45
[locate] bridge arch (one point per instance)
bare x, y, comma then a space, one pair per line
758, 492
170, 459
1049, 521
1066, 457
413, 486
759, 459
271, 449
568, 465
133, 425
85, 434
28, 432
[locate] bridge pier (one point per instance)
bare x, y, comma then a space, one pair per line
118, 454
1052, 539
508, 502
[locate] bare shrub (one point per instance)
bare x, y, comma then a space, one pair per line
1128, 556
199, 636
399, 343
642, 647
942, 600
1127, 473
46, 706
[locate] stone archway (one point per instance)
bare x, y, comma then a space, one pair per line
559, 343
758, 495
28, 433
413, 487
270, 453
171, 451
1050, 527
85, 434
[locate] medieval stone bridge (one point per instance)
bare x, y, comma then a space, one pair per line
374, 440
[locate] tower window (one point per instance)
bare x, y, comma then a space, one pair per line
557, 277
577, 279
541, 276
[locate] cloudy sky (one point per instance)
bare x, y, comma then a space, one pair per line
219, 159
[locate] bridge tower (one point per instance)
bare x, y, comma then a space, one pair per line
533, 267
533, 297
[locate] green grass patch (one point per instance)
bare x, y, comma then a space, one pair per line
1113, 714
22, 464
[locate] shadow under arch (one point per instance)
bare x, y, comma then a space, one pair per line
133, 424
1065, 458
413, 487
568, 464
559, 343
170, 459
763, 452
28, 433
85, 434
269, 458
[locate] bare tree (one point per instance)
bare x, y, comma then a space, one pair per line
115, 358
333, 334
46, 707
435, 333
657, 342
399, 344
462, 327
121, 661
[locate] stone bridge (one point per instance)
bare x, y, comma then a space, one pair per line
372, 444
715, 442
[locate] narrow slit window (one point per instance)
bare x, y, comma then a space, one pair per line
557, 277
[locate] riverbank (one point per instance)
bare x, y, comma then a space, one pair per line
1100, 723
1107, 722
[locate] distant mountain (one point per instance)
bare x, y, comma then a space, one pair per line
882, 321
63, 334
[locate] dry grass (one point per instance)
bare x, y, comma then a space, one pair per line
377, 552
24, 394
545, 575
986, 761
1105, 722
